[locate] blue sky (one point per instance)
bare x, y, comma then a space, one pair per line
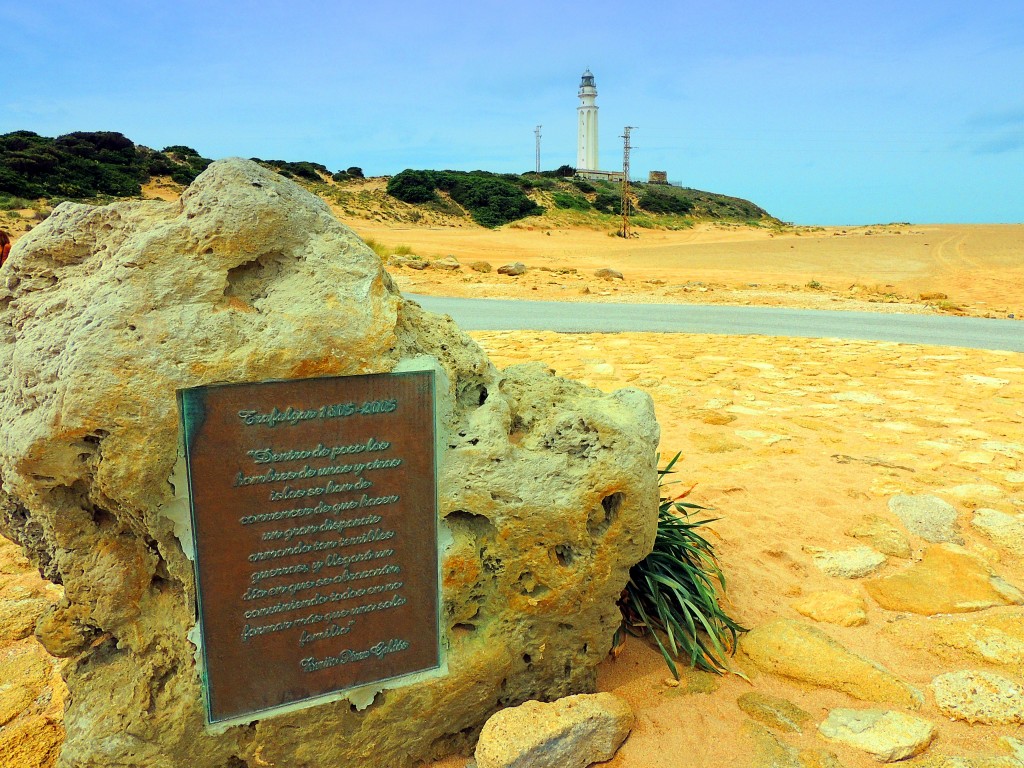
821, 112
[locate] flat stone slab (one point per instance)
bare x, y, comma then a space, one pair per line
774, 712
947, 580
1007, 531
882, 536
884, 734
995, 636
833, 607
802, 652
853, 563
979, 697
929, 517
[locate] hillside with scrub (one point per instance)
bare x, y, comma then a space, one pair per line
38, 172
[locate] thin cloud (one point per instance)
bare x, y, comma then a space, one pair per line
1006, 118
995, 133
1011, 142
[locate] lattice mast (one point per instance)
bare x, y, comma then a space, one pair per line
536, 132
627, 197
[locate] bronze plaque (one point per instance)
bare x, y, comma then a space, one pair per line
314, 519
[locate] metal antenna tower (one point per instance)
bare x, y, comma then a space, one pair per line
627, 197
536, 132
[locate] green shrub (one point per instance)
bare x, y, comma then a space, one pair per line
672, 593
584, 186
608, 202
659, 202
533, 180
377, 247
352, 172
411, 186
12, 203
571, 202
87, 164
180, 150
302, 169
492, 200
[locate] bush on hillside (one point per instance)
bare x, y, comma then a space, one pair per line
659, 202
301, 169
411, 186
571, 202
534, 180
492, 200
85, 164
608, 202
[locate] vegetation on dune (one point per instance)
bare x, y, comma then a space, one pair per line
93, 164
656, 201
491, 199
673, 595
302, 169
571, 202
87, 164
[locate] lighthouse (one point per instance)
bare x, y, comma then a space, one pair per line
586, 142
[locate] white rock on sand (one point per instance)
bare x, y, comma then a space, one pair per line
886, 735
572, 732
979, 697
927, 516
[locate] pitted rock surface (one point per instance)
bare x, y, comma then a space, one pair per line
548, 488
978, 696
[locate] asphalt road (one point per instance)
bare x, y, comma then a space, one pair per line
583, 317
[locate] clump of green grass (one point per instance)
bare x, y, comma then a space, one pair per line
377, 247
673, 594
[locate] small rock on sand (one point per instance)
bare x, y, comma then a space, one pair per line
979, 697
572, 732
833, 607
513, 269
885, 735
853, 563
927, 516
449, 262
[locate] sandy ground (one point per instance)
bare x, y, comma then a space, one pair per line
963, 269
794, 442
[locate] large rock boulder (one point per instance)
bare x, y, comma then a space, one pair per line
547, 489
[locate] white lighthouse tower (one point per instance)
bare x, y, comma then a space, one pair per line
586, 144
